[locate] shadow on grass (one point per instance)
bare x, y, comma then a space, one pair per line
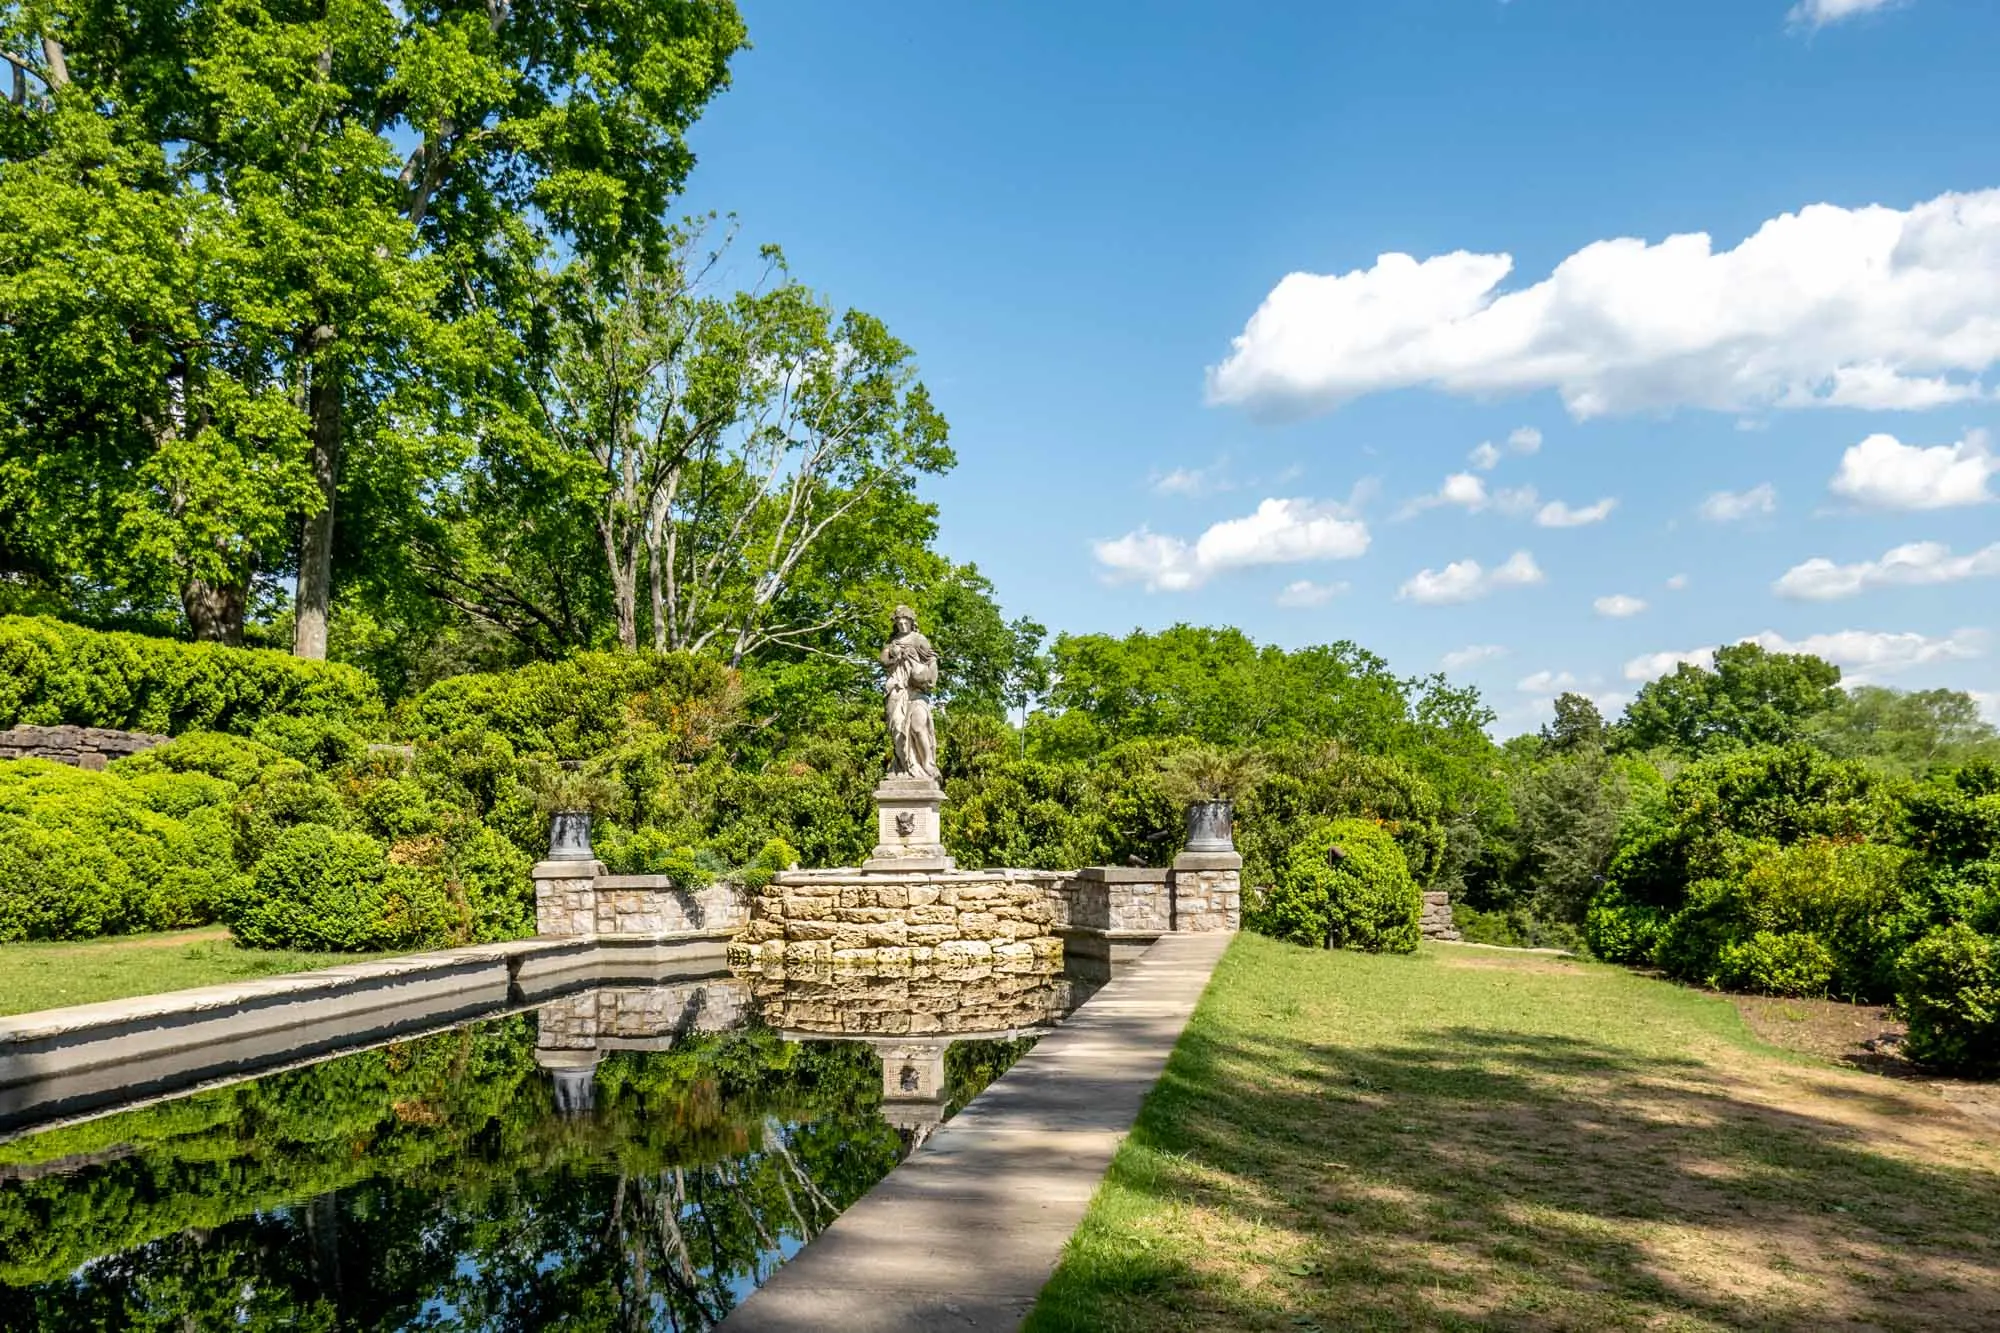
1470, 1177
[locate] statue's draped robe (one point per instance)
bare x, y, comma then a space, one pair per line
912, 667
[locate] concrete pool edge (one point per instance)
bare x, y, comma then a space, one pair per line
965, 1233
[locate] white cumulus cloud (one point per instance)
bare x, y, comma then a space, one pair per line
1861, 654
1192, 481
1547, 682
1279, 532
1819, 13
1485, 457
1471, 655
1524, 440
1884, 473
1556, 514
1869, 307
1650, 666
1821, 580
1465, 491
1467, 580
1618, 606
1304, 592
1734, 506
1677, 583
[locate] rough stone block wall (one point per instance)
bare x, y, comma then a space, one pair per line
1436, 921
1207, 900
1115, 898
998, 919
79, 747
566, 897
654, 905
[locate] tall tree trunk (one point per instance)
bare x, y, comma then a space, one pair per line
316, 549
214, 611
623, 564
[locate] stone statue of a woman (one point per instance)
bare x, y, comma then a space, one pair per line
910, 665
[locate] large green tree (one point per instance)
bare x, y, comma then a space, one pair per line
706, 471
1748, 696
259, 256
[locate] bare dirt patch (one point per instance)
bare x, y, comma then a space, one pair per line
1861, 1036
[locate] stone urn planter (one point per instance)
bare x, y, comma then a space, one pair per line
1209, 827
569, 836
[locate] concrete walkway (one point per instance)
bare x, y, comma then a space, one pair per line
964, 1234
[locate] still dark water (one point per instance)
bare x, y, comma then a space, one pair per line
624, 1158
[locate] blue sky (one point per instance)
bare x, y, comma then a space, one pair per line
1074, 212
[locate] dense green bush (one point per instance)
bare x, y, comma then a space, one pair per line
85, 854
53, 674
1344, 885
1948, 991
1815, 918
1619, 930
584, 705
1309, 784
324, 888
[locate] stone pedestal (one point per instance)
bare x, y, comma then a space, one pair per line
1208, 891
908, 833
566, 897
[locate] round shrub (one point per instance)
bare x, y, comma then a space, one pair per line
1344, 884
1948, 991
324, 888
1774, 964
231, 759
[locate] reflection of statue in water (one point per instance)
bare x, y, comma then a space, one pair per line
912, 672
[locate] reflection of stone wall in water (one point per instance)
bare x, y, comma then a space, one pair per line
918, 1000
636, 1017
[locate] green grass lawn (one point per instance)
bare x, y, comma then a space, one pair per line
49, 976
1467, 1139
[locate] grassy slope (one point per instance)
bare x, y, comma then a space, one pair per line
1466, 1139
49, 976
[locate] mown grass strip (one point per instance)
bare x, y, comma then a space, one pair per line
1466, 1139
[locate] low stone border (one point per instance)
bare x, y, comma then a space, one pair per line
964, 1233
60, 1063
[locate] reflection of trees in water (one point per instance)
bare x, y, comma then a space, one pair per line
434, 1183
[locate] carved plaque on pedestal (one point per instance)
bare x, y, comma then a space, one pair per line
909, 835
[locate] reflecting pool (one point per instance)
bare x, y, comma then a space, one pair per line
630, 1155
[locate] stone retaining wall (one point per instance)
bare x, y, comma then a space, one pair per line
889, 922
79, 747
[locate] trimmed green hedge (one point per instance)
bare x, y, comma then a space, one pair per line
53, 674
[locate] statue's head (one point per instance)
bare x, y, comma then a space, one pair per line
905, 620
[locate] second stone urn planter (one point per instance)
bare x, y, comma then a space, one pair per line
1210, 827
569, 836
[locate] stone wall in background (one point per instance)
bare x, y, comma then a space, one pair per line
1436, 921
79, 747
653, 905
575, 898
